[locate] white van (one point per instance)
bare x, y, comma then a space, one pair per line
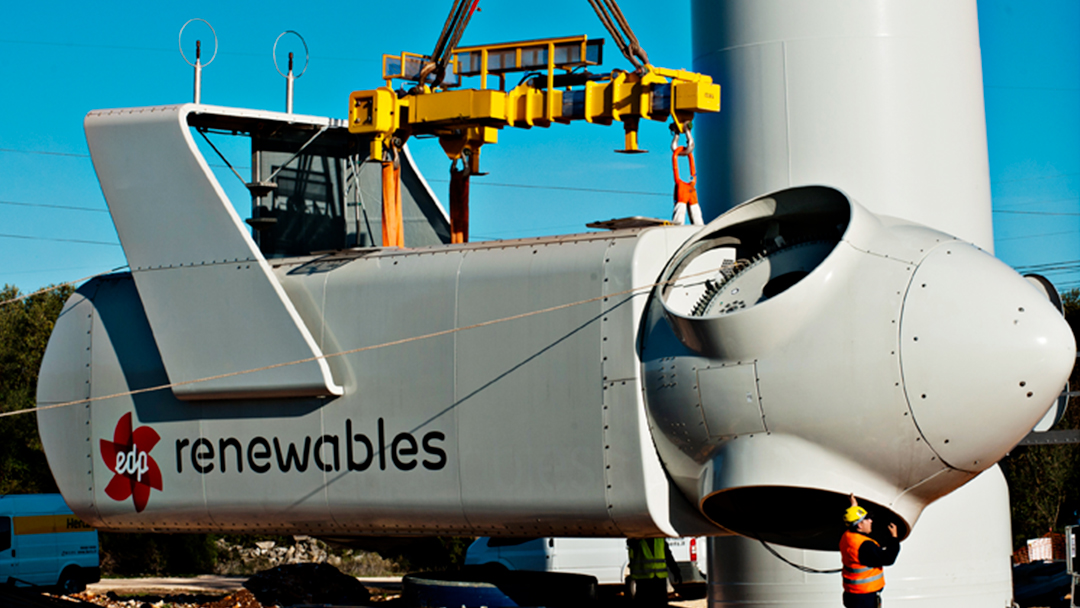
43, 544
604, 558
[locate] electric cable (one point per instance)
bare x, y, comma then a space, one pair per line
46, 205
798, 567
564, 188
57, 239
1033, 236
1034, 212
1045, 201
44, 153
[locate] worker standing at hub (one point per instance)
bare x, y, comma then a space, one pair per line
864, 558
648, 571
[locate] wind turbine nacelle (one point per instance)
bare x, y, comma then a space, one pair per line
836, 352
672, 381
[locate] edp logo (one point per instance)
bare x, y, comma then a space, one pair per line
134, 462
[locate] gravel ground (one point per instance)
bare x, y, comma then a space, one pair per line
152, 598
207, 591
207, 594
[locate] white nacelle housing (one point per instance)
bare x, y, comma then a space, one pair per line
644, 382
839, 352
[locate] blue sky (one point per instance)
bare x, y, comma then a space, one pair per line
1031, 84
61, 60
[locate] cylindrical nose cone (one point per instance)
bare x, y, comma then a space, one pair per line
983, 354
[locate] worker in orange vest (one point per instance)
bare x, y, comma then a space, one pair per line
864, 558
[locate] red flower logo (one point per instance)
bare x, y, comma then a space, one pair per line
128, 456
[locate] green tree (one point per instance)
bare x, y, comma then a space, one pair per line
25, 326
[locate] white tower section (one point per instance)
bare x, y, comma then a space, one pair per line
882, 99
957, 557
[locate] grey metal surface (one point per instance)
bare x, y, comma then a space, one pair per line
733, 406
520, 371
500, 422
65, 376
203, 283
1051, 438
498, 430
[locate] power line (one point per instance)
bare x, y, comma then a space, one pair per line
44, 152
165, 50
565, 188
998, 86
1047, 201
47, 153
1034, 212
53, 206
436, 180
75, 155
114, 47
46, 238
1047, 264
495, 235
1033, 236
44, 270
1028, 179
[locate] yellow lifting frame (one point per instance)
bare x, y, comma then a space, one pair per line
464, 119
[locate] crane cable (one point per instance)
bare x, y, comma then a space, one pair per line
460, 14
613, 19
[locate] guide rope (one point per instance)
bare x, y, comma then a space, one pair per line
445, 332
52, 287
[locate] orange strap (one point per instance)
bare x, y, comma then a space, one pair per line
685, 192
393, 233
459, 205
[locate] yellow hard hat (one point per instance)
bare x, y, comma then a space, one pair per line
854, 515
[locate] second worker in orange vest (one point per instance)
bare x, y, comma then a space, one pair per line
864, 558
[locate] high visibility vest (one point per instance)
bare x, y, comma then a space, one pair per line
857, 577
647, 558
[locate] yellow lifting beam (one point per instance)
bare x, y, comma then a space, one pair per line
465, 119
657, 94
